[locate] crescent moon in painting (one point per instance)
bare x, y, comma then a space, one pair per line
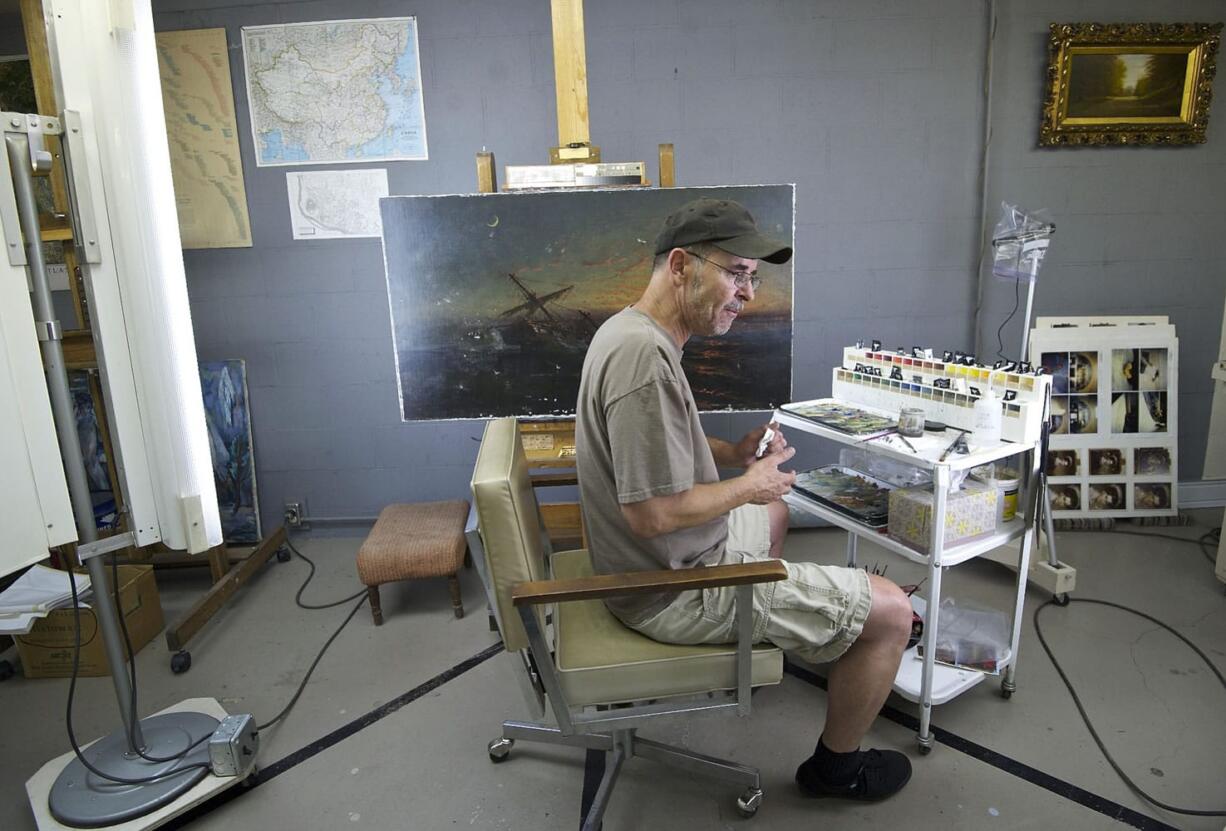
493, 223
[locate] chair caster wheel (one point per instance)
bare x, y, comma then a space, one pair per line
283, 555
6, 671
1060, 599
180, 662
500, 749
748, 803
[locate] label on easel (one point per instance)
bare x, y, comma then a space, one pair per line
537, 441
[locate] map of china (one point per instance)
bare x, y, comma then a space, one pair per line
335, 91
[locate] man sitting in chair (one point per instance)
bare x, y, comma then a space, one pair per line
652, 498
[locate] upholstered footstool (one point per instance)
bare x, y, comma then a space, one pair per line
424, 539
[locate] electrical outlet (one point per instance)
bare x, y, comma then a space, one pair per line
293, 514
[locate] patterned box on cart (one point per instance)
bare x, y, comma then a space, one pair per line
970, 513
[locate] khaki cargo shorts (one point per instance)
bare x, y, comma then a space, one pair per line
817, 613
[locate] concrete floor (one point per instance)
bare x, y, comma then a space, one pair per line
419, 761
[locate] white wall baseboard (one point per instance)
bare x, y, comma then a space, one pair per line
1209, 493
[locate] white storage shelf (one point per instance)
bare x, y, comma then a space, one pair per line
1008, 532
945, 682
930, 445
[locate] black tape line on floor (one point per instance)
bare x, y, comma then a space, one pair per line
593, 771
316, 747
1001, 762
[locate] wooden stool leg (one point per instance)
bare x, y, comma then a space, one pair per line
453, 582
376, 611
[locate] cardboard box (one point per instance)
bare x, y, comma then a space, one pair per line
969, 515
46, 650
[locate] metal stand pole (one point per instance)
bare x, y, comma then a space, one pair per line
1044, 507
174, 743
50, 335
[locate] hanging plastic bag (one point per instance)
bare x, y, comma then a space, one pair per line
1019, 242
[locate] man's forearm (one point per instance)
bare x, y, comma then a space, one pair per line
701, 503
725, 453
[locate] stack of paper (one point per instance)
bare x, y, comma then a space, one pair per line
36, 594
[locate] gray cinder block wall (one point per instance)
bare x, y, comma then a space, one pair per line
874, 109
1139, 231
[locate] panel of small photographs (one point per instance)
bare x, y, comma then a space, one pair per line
1113, 448
945, 390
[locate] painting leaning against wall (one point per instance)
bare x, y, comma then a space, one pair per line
494, 298
228, 417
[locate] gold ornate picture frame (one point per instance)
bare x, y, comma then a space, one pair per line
1129, 83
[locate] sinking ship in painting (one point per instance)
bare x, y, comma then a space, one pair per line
539, 324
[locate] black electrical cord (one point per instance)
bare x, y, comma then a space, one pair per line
132, 701
1086, 718
314, 663
1209, 538
310, 577
1017, 301
72, 686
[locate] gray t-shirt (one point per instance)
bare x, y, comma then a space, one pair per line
637, 435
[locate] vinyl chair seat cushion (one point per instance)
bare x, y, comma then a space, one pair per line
602, 661
413, 540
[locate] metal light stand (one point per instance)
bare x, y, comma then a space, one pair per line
80, 797
1043, 516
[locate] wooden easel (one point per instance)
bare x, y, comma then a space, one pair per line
230, 567
550, 444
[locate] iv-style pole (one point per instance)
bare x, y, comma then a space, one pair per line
1034, 241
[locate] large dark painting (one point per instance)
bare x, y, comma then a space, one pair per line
494, 298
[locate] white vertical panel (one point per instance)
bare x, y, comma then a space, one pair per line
35, 511
105, 68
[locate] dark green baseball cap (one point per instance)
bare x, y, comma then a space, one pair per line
723, 223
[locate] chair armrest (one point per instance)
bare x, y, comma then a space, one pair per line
646, 582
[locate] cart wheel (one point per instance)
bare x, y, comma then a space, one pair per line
500, 749
1061, 599
283, 555
252, 778
180, 662
925, 749
748, 803
1006, 689
6, 671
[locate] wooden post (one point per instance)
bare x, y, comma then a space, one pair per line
570, 84
44, 95
487, 176
668, 177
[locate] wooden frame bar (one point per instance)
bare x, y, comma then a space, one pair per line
645, 582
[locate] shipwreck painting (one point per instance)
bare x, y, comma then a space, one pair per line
228, 417
495, 297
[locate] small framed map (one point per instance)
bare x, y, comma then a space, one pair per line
335, 91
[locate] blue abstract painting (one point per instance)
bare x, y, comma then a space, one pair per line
228, 416
93, 451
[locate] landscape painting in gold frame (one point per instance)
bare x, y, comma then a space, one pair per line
1129, 83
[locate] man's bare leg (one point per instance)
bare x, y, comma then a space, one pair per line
861, 679
778, 512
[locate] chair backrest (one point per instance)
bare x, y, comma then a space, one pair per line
509, 520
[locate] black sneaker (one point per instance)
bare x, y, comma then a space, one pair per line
882, 773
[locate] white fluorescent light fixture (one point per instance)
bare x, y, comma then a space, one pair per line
105, 66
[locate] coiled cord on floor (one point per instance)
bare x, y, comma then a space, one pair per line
132, 701
1086, 718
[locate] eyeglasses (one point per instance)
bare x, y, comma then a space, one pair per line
740, 278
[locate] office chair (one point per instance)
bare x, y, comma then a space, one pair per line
600, 679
